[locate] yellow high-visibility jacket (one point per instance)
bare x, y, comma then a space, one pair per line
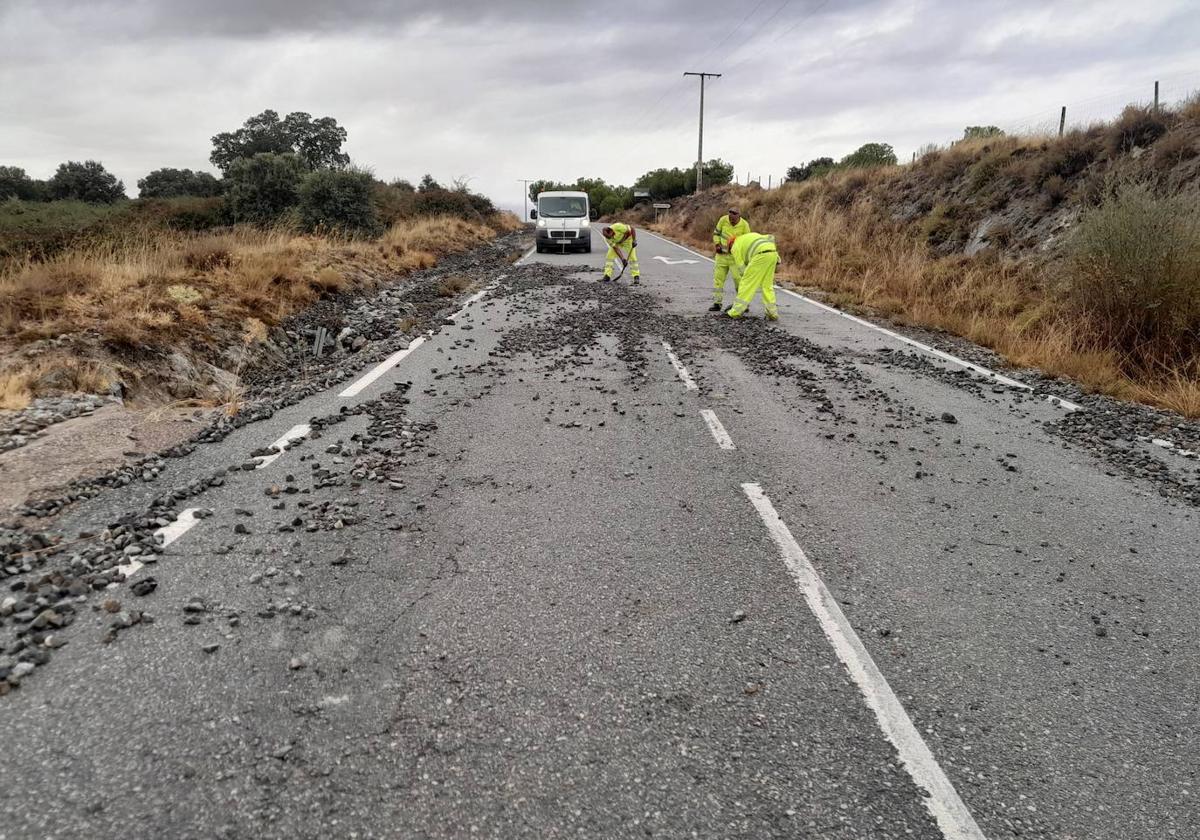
623, 235
747, 247
725, 231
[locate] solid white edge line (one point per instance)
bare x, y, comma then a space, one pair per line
684, 376
167, 534
528, 254
718, 430
294, 433
933, 351
951, 813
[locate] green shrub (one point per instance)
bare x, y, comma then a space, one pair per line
172, 183
1135, 272
262, 188
468, 205
14, 183
338, 201
88, 181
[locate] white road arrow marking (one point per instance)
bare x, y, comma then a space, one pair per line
676, 262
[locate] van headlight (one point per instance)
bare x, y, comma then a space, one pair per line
541, 223
586, 224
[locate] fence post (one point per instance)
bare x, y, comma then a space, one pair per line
1062, 121
769, 177
1156, 96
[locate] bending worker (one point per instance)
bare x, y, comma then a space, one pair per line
621, 239
754, 261
728, 226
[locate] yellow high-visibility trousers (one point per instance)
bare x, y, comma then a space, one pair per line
724, 265
759, 276
611, 257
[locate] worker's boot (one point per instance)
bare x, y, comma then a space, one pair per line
637, 280
607, 278
772, 316
716, 307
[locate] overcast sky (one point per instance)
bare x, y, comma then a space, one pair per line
496, 91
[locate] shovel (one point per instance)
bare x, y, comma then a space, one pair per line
624, 264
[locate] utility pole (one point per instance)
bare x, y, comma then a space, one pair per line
526, 182
700, 148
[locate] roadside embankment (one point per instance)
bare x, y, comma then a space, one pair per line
1078, 255
176, 317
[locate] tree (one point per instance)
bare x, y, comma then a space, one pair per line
14, 183
870, 155
262, 187
317, 144
974, 132
88, 181
338, 200
716, 173
815, 168
428, 183
171, 183
403, 185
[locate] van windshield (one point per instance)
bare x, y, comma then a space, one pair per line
562, 207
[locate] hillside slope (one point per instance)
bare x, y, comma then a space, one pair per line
1078, 255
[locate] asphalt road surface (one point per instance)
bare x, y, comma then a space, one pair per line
593, 562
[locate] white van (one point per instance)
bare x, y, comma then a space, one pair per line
564, 222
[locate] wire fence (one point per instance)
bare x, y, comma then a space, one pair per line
1167, 92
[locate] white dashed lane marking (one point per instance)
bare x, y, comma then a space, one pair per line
167, 534
943, 801
684, 376
280, 446
718, 431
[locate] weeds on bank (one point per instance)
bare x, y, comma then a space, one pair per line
177, 290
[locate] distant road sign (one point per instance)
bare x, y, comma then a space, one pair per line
658, 205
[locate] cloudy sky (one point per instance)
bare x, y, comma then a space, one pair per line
497, 91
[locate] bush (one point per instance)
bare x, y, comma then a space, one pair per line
870, 155
173, 183
1066, 157
1135, 272
14, 183
340, 201
1135, 127
263, 187
88, 181
439, 202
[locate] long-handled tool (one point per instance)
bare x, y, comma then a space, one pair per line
624, 263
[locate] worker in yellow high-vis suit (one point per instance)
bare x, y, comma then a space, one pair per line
728, 226
621, 239
754, 260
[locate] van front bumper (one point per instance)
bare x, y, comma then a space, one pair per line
582, 240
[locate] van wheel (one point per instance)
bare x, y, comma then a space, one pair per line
540, 249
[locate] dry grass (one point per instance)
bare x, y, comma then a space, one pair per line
190, 292
19, 385
453, 285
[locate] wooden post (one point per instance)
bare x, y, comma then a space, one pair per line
769, 181
1062, 121
1156, 96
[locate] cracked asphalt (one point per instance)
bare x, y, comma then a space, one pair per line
515, 588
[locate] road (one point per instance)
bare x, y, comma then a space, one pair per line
593, 562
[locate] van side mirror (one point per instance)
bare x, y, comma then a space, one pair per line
533, 214
594, 214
